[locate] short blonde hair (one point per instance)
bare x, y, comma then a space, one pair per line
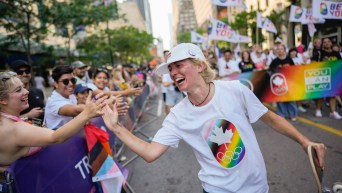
208, 73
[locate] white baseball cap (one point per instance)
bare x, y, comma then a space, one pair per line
180, 52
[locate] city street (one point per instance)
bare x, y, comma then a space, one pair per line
287, 165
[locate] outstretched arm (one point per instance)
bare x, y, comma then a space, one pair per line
279, 124
30, 135
148, 151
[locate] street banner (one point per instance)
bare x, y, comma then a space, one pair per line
327, 9
309, 18
57, 168
296, 14
243, 39
293, 83
197, 38
222, 31
312, 29
265, 23
228, 3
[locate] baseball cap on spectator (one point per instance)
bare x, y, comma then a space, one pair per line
81, 88
78, 64
18, 64
180, 52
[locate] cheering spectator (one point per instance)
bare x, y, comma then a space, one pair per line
35, 96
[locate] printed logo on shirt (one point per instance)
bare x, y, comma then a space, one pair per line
278, 84
225, 143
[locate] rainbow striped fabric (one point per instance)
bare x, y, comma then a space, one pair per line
104, 169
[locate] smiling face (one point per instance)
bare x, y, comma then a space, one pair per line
16, 97
65, 89
101, 80
185, 74
24, 74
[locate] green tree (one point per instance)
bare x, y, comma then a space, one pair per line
129, 45
24, 22
69, 16
184, 37
277, 17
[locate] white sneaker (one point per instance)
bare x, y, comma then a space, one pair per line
335, 115
301, 109
318, 113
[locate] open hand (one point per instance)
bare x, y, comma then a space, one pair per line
122, 108
110, 117
35, 112
94, 106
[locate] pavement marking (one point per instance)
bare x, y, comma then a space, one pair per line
309, 122
160, 106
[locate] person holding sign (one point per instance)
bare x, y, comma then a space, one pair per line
215, 120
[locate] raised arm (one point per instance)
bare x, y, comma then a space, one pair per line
148, 151
282, 126
30, 135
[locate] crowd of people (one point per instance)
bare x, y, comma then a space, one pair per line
254, 58
29, 120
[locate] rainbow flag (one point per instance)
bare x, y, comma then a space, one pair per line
104, 169
293, 83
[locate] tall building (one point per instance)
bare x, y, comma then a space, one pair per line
184, 18
144, 7
204, 9
132, 17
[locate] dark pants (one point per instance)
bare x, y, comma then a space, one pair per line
205, 191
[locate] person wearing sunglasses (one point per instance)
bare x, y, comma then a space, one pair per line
61, 106
35, 97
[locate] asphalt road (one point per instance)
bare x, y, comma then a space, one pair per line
287, 164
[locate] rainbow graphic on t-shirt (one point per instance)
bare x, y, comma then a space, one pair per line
225, 143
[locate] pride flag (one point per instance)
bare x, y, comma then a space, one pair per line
104, 169
293, 83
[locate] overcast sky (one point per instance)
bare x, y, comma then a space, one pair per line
160, 10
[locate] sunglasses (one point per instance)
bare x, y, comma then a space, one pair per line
21, 72
4, 76
66, 81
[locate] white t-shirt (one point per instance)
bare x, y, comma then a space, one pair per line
167, 78
298, 60
53, 120
233, 66
39, 82
222, 138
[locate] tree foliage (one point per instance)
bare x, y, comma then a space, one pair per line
128, 45
28, 21
23, 23
71, 16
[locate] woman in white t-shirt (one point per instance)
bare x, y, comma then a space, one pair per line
215, 120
